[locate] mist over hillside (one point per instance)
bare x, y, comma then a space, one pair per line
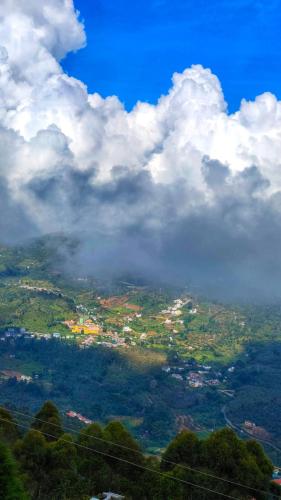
180, 190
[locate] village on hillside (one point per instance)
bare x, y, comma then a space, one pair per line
182, 325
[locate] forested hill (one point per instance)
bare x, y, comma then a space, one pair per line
41, 460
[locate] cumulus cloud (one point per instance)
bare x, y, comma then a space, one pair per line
181, 189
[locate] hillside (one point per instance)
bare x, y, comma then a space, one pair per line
159, 359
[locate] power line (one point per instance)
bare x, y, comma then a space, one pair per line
149, 469
219, 478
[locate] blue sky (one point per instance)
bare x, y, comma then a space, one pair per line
135, 46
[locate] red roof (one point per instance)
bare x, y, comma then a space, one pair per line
71, 414
277, 481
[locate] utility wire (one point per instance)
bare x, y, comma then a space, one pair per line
186, 467
149, 469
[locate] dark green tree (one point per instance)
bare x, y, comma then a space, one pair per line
32, 455
9, 432
184, 449
222, 455
11, 487
48, 421
63, 481
92, 465
59, 468
127, 466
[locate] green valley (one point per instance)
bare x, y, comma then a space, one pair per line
159, 359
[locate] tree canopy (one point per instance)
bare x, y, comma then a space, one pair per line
53, 465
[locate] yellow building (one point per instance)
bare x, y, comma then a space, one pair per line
86, 329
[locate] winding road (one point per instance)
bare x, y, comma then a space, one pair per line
239, 429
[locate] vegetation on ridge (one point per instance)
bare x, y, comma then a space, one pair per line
53, 465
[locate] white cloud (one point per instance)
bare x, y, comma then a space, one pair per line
67, 156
